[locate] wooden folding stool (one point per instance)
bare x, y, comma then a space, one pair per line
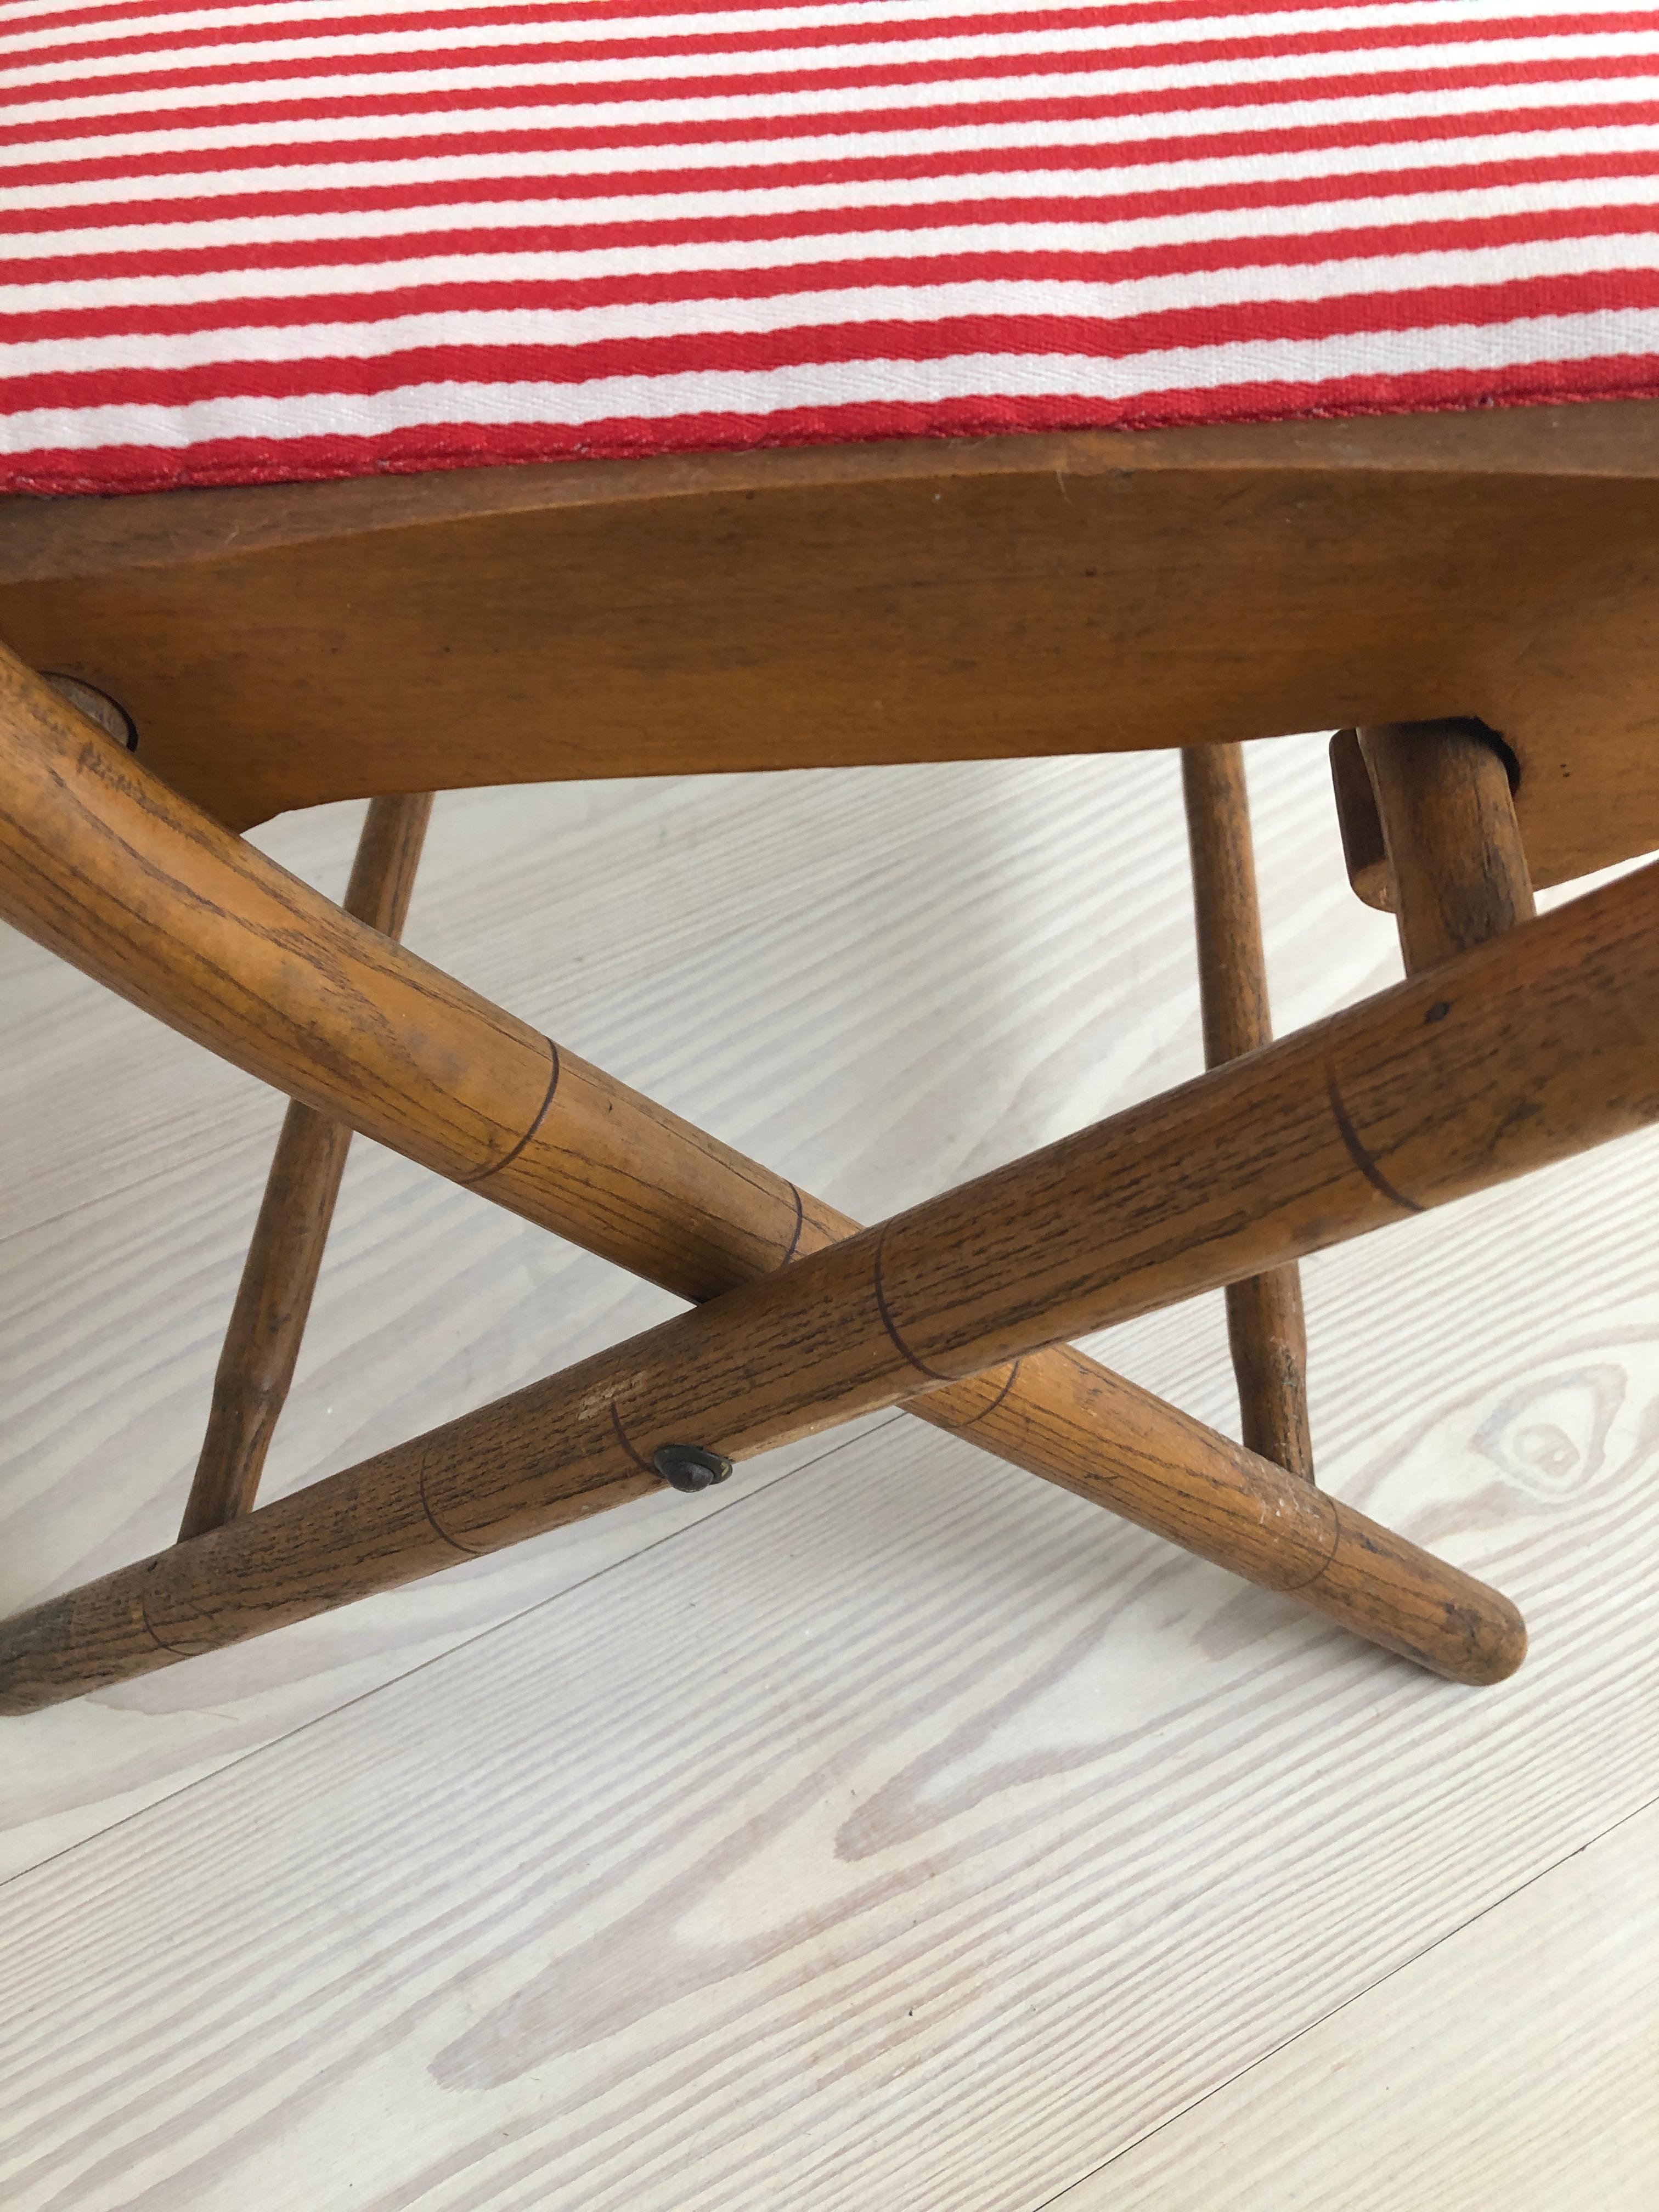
325, 484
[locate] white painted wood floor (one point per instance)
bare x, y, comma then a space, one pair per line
886, 1830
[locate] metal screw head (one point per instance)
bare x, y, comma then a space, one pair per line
689, 1466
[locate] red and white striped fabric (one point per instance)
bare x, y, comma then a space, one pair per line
312, 238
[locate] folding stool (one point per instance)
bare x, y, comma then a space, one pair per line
446, 397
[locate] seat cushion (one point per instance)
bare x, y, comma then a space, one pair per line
309, 238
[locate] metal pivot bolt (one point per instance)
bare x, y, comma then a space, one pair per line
690, 1467
111, 716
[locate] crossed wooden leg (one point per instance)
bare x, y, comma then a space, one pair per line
268, 1322
1381, 1111
1265, 1332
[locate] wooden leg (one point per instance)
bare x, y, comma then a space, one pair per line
1500, 1060
253, 963
1455, 858
737, 1376
1495, 1062
1265, 1329
268, 1322
1510, 1056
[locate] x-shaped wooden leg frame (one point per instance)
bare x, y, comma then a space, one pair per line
1520, 1052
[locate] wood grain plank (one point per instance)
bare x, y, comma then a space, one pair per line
898, 1838
1517, 2064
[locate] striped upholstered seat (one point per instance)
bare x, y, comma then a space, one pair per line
311, 238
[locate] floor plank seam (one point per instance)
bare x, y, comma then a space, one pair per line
717, 1512
1331, 2011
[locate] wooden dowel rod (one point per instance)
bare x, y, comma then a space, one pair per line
1267, 1332
279, 1276
1458, 867
1521, 1052
388, 857
267, 1322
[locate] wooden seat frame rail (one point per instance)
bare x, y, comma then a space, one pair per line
913, 600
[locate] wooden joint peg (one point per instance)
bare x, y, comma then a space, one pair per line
1446, 805
279, 1277
1265, 1329
1364, 853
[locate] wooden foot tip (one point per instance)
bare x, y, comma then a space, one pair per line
1498, 1646
1389, 1589
1477, 1643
